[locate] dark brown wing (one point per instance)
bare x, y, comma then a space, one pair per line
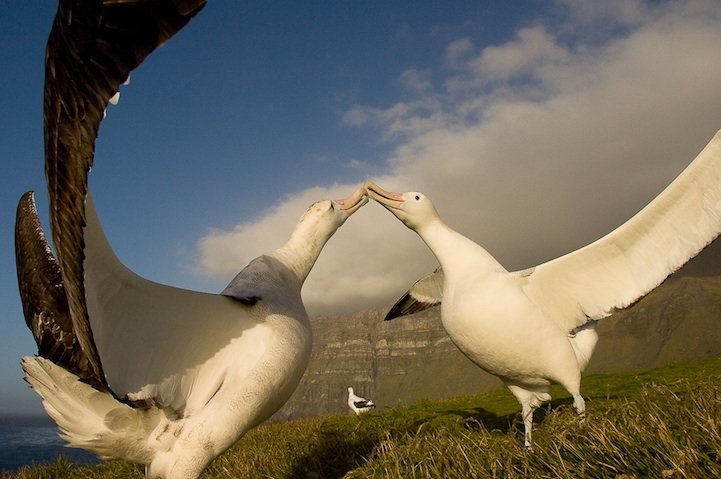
45, 304
93, 46
424, 294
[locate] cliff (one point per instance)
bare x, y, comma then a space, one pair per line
412, 358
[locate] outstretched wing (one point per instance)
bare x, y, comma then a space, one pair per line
425, 293
43, 297
93, 46
161, 343
624, 265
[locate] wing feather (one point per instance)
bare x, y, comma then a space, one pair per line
43, 297
153, 339
92, 47
424, 294
624, 265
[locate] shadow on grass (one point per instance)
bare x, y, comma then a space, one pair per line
476, 419
340, 449
345, 445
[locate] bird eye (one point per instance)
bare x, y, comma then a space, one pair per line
418, 197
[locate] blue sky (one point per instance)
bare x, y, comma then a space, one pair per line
536, 127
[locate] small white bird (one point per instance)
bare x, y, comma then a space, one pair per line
536, 327
358, 404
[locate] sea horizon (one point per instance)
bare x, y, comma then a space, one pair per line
30, 439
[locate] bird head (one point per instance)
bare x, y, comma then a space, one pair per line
414, 209
323, 218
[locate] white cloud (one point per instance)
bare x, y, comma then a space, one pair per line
457, 52
360, 165
565, 144
357, 116
613, 13
533, 50
416, 80
404, 118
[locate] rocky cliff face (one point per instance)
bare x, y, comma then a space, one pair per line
412, 358
679, 321
391, 362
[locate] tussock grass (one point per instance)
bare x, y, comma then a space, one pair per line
664, 423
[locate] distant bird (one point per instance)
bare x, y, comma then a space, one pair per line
129, 368
358, 404
536, 327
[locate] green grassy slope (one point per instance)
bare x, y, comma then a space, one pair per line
664, 422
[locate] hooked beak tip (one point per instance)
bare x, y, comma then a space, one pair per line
357, 199
382, 196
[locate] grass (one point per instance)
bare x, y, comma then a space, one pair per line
662, 423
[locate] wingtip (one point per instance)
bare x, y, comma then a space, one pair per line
28, 195
25, 203
189, 7
392, 315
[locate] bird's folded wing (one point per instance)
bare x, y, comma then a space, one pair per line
624, 265
425, 293
92, 47
153, 339
45, 304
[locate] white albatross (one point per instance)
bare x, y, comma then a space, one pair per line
129, 368
536, 327
358, 404
201, 369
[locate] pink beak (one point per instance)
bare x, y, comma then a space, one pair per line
386, 198
354, 201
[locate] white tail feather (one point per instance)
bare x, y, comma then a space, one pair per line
90, 419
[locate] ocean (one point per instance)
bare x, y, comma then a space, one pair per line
34, 440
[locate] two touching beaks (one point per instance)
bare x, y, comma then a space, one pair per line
370, 190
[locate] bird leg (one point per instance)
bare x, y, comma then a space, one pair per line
580, 406
527, 413
530, 400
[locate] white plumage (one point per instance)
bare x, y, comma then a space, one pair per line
358, 404
130, 368
209, 366
535, 327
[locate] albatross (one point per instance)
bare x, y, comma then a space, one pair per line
186, 373
535, 327
358, 404
129, 368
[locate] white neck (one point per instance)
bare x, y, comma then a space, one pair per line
300, 253
453, 250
